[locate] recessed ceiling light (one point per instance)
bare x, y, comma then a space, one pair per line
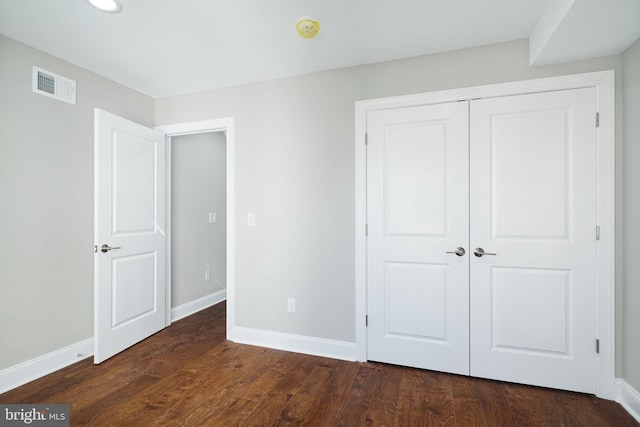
111, 6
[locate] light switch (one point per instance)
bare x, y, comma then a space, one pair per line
212, 217
251, 219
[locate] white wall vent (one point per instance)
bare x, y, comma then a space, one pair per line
54, 86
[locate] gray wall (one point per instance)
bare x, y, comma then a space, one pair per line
295, 170
46, 202
631, 336
198, 187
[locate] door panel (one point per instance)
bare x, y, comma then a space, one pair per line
533, 204
130, 302
534, 297
133, 191
415, 300
530, 147
417, 188
414, 178
133, 288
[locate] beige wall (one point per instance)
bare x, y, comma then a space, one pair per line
295, 170
46, 199
198, 187
631, 296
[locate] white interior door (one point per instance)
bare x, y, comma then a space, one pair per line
533, 204
129, 289
417, 196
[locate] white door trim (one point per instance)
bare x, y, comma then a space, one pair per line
226, 125
604, 83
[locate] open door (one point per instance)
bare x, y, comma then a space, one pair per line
129, 278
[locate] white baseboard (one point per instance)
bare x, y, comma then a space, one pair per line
194, 306
33, 369
628, 397
296, 343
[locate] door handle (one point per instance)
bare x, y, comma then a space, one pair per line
459, 251
479, 252
106, 248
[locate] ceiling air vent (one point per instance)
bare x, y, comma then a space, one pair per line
54, 86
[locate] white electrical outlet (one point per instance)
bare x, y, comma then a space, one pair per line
251, 219
212, 217
291, 305
207, 275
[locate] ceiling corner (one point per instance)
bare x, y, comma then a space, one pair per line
570, 30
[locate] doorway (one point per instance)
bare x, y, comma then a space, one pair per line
226, 127
198, 218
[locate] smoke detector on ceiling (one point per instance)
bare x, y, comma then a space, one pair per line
307, 27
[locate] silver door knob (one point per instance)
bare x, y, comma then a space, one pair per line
106, 248
459, 251
479, 252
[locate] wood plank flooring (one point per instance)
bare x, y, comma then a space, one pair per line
189, 375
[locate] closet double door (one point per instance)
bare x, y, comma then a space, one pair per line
481, 248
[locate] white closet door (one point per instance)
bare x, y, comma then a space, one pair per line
533, 204
417, 196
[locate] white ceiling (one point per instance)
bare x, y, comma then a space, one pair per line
163, 47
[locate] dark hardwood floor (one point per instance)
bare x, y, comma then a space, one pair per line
189, 375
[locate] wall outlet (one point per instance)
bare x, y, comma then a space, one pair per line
207, 275
251, 219
291, 305
212, 217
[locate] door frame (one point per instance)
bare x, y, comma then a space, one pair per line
604, 83
226, 125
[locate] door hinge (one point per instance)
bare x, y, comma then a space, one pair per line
366, 138
366, 320
597, 120
366, 229
597, 232
597, 346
